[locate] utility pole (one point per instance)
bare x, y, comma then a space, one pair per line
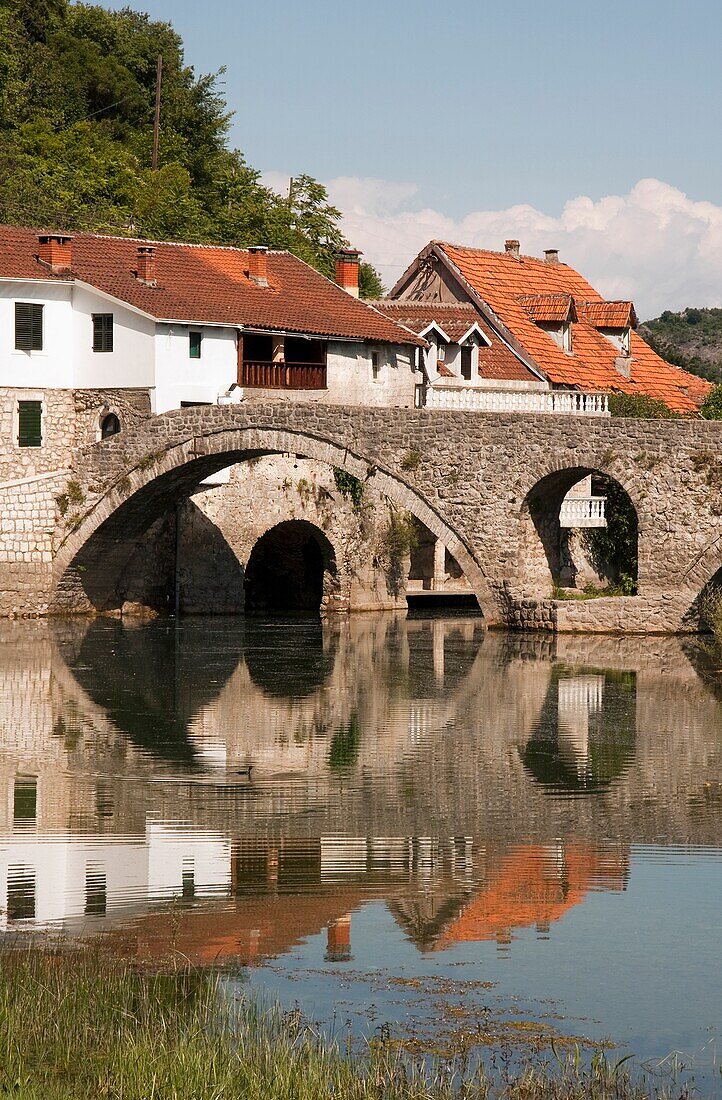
156, 121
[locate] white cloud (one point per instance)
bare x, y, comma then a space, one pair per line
654, 245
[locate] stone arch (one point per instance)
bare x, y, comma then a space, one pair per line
292, 567
145, 484
542, 543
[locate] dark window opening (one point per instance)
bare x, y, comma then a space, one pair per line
194, 344
193, 404
102, 332
189, 882
25, 800
109, 425
375, 365
21, 893
466, 362
28, 326
30, 423
96, 892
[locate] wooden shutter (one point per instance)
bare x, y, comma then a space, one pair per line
102, 332
28, 326
30, 423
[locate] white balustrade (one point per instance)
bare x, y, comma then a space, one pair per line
571, 402
583, 512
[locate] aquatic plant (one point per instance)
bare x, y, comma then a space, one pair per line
78, 1023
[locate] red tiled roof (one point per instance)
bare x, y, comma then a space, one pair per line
618, 315
497, 361
549, 307
501, 280
208, 283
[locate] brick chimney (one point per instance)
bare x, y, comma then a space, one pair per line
347, 262
258, 264
551, 255
56, 250
512, 248
146, 264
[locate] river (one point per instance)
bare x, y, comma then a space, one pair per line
447, 835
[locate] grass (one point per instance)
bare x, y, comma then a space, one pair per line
76, 1024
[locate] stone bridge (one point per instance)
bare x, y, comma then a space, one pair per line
489, 486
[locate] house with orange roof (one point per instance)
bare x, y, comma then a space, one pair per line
548, 340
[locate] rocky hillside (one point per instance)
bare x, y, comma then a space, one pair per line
691, 339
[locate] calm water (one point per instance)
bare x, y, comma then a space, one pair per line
444, 832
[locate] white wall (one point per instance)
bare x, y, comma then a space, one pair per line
53, 366
180, 378
130, 363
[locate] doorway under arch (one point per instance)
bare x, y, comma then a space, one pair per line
292, 567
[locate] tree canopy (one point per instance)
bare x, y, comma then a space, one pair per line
77, 94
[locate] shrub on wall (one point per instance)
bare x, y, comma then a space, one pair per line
712, 405
640, 406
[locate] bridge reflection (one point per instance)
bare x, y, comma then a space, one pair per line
463, 778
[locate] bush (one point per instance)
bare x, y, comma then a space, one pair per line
640, 406
710, 611
712, 405
349, 486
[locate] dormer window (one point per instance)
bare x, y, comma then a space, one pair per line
553, 314
613, 320
466, 362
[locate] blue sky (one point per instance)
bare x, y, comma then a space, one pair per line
465, 107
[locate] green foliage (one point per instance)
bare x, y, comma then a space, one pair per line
640, 406
345, 746
349, 486
398, 539
691, 339
77, 90
712, 405
411, 461
614, 547
710, 611
76, 1024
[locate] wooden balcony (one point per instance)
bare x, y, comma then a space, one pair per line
283, 376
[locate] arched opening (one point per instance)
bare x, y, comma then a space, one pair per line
582, 533
435, 577
291, 568
109, 425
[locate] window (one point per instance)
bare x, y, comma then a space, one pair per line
28, 326
102, 332
96, 891
466, 362
109, 425
25, 800
21, 893
376, 366
30, 423
194, 344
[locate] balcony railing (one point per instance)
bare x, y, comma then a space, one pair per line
583, 512
570, 402
283, 376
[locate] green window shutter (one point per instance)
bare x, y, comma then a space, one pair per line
28, 326
102, 332
30, 423
194, 345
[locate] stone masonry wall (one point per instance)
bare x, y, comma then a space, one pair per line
221, 526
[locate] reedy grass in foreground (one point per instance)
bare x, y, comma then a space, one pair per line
80, 1024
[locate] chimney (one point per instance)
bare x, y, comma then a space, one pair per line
146, 264
258, 264
56, 250
551, 255
512, 249
347, 270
